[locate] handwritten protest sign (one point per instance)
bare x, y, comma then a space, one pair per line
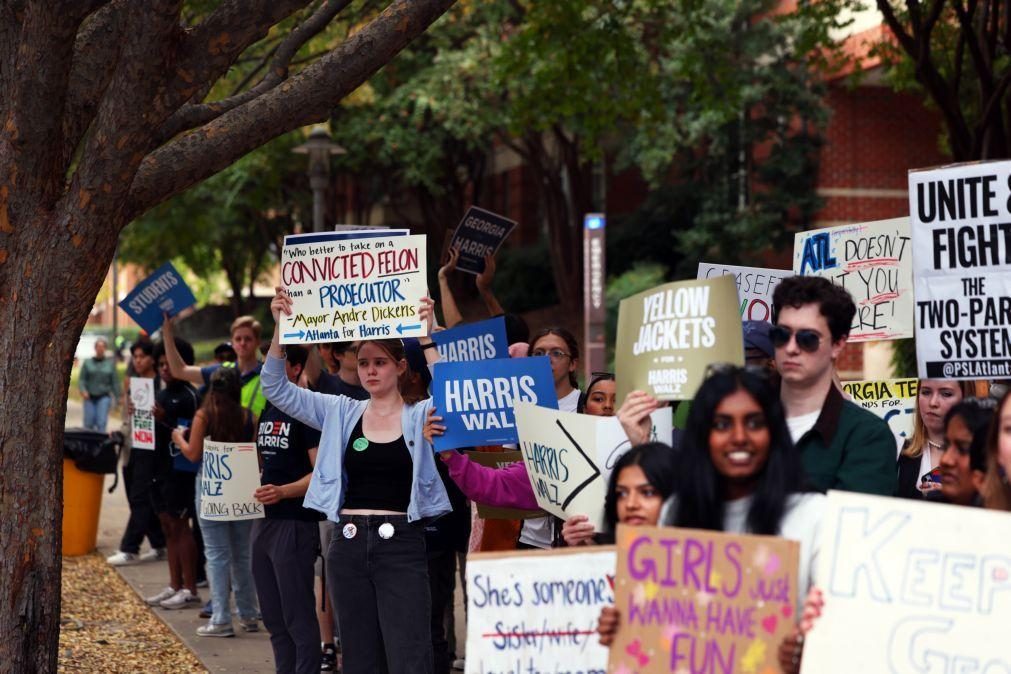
230, 476
163, 292
961, 221
348, 289
703, 601
537, 611
612, 443
142, 419
894, 400
476, 404
480, 233
473, 341
501, 460
874, 262
755, 286
559, 450
911, 586
669, 335
343, 235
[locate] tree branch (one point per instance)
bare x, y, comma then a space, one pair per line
96, 54
30, 151
194, 115
303, 99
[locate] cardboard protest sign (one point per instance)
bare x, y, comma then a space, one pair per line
163, 292
669, 335
480, 233
612, 443
874, 262
755, 286
501, 460
476, 404
911, 586
348, 289
703, 601
560, 450
961, 221
473, 341
894, 400
142, 419
537, 611
231, 474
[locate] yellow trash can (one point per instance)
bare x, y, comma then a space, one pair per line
82, 503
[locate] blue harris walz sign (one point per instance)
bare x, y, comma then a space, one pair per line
476, 401
164, 291
483, 340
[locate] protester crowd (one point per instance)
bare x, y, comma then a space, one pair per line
366, 527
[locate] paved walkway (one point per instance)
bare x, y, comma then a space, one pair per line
245, 652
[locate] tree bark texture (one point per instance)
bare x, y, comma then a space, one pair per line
90, 87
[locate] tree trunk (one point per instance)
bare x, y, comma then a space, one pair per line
36, 296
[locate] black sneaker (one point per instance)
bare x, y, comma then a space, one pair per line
328, 659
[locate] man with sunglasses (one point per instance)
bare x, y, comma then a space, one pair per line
842, 445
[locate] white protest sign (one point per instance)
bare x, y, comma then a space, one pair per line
755, 286
911, 586
560, 451
874, 262
231, 474
894, 400
142, 419
961, 222
538, 611
350, 289
612, 443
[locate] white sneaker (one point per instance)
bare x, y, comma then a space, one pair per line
153, 555
157, 599
123, 559
459, 664
212, 630
181, 599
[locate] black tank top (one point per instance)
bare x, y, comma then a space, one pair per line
379, 474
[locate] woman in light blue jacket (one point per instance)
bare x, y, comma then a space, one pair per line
375, 476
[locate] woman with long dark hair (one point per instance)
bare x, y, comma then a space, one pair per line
997, 483
375, 476
641, 481
222, 418
739, 472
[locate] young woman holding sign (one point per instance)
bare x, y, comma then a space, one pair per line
222, 418
375, 476
738, 470
921, 453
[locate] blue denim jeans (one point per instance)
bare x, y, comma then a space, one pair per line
228, 550
96, 413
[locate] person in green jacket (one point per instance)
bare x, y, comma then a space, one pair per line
99, 386
842, 445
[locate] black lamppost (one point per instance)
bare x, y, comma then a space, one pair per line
320, 147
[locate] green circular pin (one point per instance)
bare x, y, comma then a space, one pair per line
360, 445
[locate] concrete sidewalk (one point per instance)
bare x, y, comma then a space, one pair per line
244, 653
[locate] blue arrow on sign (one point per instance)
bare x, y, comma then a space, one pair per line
300, 334
401, 328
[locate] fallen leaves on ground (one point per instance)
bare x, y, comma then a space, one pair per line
105, 627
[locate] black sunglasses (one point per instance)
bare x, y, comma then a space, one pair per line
807, 340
